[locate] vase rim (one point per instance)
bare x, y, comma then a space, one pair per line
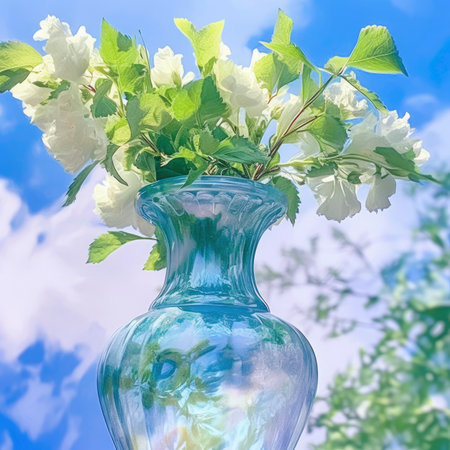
172, 185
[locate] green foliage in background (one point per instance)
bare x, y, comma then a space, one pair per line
397, 395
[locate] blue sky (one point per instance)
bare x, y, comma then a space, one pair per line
36, 183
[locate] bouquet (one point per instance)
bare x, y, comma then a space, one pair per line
142, 119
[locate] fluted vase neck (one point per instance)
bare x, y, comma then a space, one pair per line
211, 229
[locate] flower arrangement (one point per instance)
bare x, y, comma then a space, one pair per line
142, 122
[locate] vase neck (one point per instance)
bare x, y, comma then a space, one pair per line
211, 229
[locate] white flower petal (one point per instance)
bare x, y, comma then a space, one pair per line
344, 96
387, 130
239, 87
71, 54
31, 94
168, 69
70, 133
115, 202
336, 197
381, 188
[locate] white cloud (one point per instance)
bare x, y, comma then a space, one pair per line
39, 398
423, 100
407, 6
46, 287
7, 443
436, 139
72, 433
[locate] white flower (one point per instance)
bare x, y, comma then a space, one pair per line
168, 69
343, 95
388, 130
239, 88
30, 93
381, 188
71, 135
308, 146
115, 202
336, 197
71, 54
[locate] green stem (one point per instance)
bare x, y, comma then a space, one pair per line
307, 105
305, 162
150, 143
260, 169
246, 171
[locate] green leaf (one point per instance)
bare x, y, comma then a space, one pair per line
309, 86
401, 165
106, 243
102, 106
108, 163
9, 78
148, 112
240, 150
291, 55
121, 55
206, 42
135, 79
329, 132
18, 55
183, 107
209, 105
322, 171
219, 133
63, 86
283, 28
17, 59
207, 143
354, 177
186, 153
272, 72
396, 159
200, 166
290, 190
336, 64
118, 130
157, 257
212, 106
146, 162
78, 181
174, 168
199, 163
156, 111
134, 115
375, 51
49, 84
372, 96
266, 71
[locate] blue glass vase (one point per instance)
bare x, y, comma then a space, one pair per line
208, 367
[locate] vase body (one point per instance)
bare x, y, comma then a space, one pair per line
208, 367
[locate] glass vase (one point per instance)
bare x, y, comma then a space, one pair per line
208, 367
